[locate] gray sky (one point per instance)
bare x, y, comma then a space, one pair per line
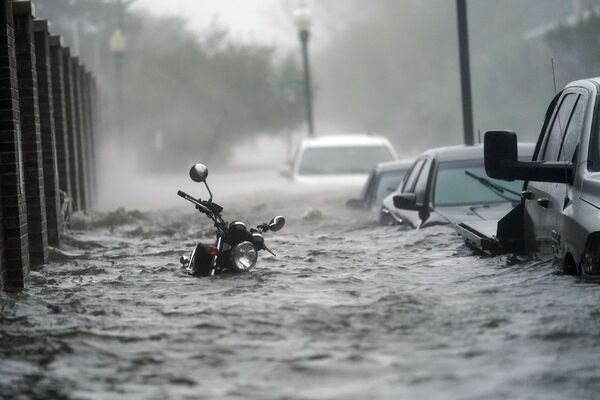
266, 21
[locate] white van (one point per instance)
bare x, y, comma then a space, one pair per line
340, 160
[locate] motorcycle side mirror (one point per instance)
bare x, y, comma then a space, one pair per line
199, 173
276, 224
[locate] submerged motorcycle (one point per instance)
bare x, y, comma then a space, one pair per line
236, 247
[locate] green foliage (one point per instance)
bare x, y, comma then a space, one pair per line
200, 93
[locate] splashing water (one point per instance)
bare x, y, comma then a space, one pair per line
347, 310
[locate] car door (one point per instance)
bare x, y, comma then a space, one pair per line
421, 191
418, 184
545, 201
411, 217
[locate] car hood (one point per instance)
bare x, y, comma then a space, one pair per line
456, 214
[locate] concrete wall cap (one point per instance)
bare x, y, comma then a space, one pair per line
23, 8
55, 40
40, 25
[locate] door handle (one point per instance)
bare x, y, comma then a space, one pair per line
543, 202
527, 195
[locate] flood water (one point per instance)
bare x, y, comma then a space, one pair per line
347, 310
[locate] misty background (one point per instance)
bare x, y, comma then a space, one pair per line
197, 88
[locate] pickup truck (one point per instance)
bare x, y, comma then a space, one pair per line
559, 211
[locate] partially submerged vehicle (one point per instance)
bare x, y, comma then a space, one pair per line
383, 180
447, 185
339, 160
559, 210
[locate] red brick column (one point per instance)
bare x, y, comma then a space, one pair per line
14, 212
87, 119
46, 107
72, 132
60, 115
80, 130
94, 131
30, 132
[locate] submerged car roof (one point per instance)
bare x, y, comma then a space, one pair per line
345, 140
394, 165
463, 152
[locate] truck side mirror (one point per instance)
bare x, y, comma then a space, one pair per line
406, 201
502, 162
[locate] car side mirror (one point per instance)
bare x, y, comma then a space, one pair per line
286, 171
502, 162
355, 203
407, 201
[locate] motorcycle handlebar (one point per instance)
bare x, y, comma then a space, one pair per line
197, 203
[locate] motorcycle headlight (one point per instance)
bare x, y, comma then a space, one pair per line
244, 256
590, 262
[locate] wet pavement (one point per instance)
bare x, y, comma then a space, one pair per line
347, 310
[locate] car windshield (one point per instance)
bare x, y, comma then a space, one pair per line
343, 159
461, 183
388, 183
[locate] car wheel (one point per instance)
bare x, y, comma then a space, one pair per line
569, 267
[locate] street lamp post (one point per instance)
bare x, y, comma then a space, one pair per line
465, 71
303, 20
118, 45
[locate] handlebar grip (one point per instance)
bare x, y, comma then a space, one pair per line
181, 194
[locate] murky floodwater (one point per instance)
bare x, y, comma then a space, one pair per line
347, 310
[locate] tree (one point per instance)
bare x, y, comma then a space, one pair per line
199, 93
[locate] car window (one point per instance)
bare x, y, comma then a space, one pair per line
421, 185
409, 183
561, 119
368, 188
573, 134
460, 183
388, 182
343, 159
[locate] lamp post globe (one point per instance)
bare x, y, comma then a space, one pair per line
303, 16
117, 42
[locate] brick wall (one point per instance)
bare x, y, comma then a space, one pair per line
71, 128
14, 212
60, 114
46, 108
30, 133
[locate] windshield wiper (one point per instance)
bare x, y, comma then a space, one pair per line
498, 189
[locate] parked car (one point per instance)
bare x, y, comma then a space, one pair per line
559, 211
340, 160
449, 185
383, 180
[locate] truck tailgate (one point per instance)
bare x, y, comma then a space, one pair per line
481, 235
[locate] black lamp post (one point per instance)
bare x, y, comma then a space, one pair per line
303, 20
118, 45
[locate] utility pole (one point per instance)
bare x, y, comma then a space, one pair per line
465, 71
